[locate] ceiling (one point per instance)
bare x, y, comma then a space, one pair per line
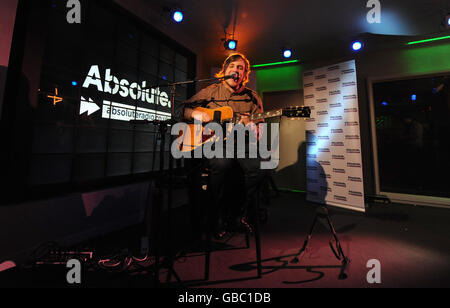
310, 28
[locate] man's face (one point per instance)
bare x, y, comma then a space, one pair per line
238, 67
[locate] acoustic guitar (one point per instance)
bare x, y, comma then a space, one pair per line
198, 136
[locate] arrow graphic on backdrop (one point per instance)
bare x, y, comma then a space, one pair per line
121, 112
88, 106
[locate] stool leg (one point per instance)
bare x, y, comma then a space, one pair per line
257, 237
207, 253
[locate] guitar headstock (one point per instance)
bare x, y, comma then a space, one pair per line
297, 112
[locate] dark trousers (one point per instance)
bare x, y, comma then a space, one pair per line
233, 187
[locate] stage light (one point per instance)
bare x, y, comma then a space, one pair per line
230, 44
177, 16
287, 53
357, 45
414, 97
74, 83
447, 21
384, 103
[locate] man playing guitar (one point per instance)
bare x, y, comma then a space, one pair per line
230, 92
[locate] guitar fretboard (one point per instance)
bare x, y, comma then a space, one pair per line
263, 115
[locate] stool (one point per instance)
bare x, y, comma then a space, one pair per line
253, 213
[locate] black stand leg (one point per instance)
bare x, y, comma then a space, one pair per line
338, 252
169, 258
257, 236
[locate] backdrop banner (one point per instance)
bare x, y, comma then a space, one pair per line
333, 151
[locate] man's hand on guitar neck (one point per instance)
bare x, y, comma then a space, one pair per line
245, 119
253, 125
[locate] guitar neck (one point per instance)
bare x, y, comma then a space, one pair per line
263, 115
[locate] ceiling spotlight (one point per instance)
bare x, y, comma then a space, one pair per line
230, 44
357, 45
447, 21
177, 16
287, 53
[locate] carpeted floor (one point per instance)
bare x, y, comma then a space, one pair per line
411, 243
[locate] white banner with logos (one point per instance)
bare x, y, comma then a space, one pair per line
333, 162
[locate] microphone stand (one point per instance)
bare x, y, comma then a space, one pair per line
163, 128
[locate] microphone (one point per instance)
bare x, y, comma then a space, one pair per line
233, 75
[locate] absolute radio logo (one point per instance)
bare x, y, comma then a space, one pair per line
354, 123
337, 144
310, 96
337, 157
354, 165
324, 162
347, 97
322, 112
339, 184
348, 71
318, 89
124, 87
352, 137
333, 68
334, 80
337, 131
336, 118
318, 77
321, 100
306, 74
354, 179
355, 193
347, 110
349, 84
353, 151
308, 85
322, 125
338, 170
340, 198
337, 92
335, 105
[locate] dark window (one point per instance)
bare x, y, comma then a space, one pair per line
412, 127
